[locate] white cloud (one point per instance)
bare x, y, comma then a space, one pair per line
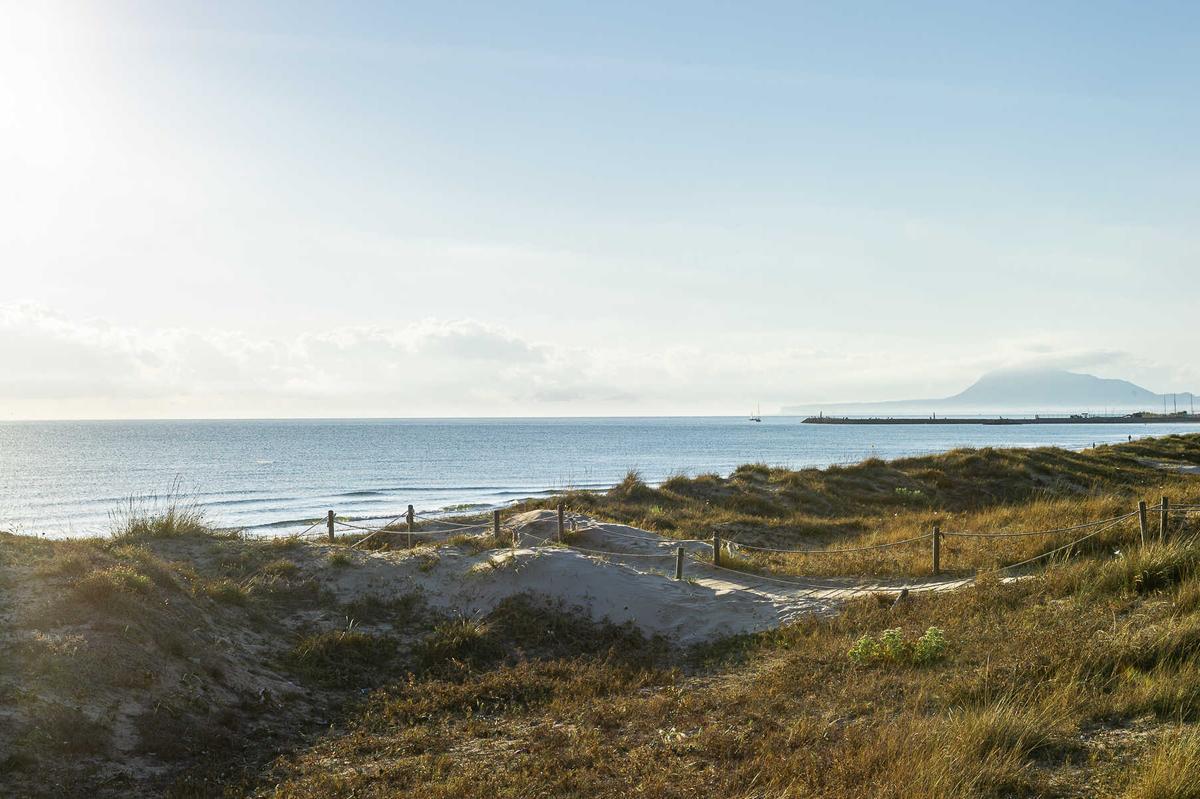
49, 362
54, 366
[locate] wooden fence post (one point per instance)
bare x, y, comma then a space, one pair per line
496, 525
329, 524
1163, 509
678, 563
937, 550
716, 548
561, 511
409, 517
1143, 523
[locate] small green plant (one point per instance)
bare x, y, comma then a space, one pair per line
865, 651
930, 647
893, 648
340, 559
910, 494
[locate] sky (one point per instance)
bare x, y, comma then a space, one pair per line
298, 209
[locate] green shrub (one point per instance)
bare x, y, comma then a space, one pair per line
893, 648
866, 650
930, 647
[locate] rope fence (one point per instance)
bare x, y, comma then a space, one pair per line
1113, 523
1026, 534
885, 545
604, 552
569, 524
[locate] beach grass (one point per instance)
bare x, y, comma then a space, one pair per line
877, 502
200, 664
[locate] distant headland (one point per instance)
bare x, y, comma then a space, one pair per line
1035, 395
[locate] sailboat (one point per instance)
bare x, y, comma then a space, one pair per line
757, 417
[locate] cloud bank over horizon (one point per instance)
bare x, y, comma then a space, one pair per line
59, 367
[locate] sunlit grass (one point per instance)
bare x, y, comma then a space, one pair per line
1082, 680
878, 502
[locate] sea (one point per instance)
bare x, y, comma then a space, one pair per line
65, 478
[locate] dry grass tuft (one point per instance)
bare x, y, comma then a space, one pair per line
172, 515
1172, 771
343, 657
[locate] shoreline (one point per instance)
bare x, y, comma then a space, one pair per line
264, 515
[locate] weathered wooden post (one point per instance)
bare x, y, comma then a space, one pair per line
496, 525
937, 550
678, 563
716, 548
409, 517
1143, 523
1163, 510
329, 524
561, 523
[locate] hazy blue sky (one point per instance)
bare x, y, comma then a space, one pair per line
275, 209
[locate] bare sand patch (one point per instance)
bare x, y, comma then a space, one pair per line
607, 571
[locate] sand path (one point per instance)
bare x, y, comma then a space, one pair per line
610, 571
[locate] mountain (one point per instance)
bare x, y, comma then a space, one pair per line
1010, 391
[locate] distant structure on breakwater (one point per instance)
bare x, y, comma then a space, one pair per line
1077, 418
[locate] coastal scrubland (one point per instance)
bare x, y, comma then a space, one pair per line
875, 502
172, 659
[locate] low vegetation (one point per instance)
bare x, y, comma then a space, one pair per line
876, 502
201, 664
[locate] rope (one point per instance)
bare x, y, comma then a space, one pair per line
1042, 532
833, 551
391, 521
1093, 534
311, 527
381, 527
414, 532
358, 527
451, 524
384, 529
811, 590
606, 552
644, 538
464, 528
364, 539
755, 574
394, 532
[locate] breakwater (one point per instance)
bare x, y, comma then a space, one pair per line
1136, 418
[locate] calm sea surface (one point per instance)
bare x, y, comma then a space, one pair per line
64, 478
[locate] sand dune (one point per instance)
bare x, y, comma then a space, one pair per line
633, 584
